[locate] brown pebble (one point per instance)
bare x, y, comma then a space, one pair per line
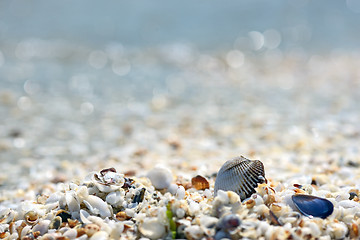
4, 234
250, 203
122, 216
200, 183
354, 231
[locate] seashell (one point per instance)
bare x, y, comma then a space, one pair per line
25, 231
97, 206
101, 235
108, 180
71, 233
42, 227
6, 216
84, 215
31, 217
312, 206
55, 223
240, 175
72, 201
200, 183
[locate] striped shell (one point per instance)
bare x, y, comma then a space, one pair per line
240, 175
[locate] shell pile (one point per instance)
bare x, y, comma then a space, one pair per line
109, 205
240, 175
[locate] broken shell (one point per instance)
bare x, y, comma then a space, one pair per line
55, 223
200, 183
97, 206
72, 201
313, 206
41, 227
6, 216
240, 175
64, 215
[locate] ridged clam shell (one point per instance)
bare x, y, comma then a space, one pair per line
240, 175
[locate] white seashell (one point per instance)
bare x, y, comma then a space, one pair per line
130, 212
348, 204
82, 193
152, 228
97, 206
117, 229
113, 198
6, 216
240, 175
25, 231
160, 177
110, 182
84, 216
54, 197
72, 201
71, 233
42, 227
101, 235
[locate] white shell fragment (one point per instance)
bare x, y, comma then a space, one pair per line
97, 206
240, 175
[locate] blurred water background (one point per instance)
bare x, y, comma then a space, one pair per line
75, 76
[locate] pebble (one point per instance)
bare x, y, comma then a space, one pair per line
160, 177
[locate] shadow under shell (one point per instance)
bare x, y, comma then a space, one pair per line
312, 206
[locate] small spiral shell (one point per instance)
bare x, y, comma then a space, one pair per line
240, 175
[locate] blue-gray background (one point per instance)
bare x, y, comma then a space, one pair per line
209, 25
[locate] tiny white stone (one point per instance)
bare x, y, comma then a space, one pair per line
160, 177
130, 212
207, 193
180, 192
180, 213
172, 188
